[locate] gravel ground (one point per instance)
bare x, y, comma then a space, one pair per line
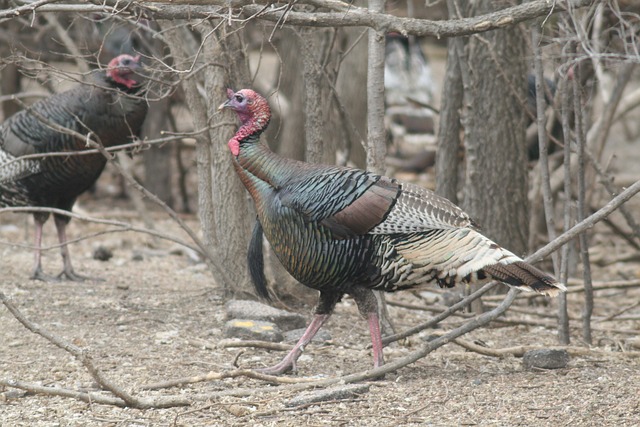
158, 316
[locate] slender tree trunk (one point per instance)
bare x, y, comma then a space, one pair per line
285, 133
157, 162
447, 155
496, 172
314, 45
376, 133
225, 212
233, 212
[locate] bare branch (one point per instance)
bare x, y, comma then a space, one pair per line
346, 15
123, 226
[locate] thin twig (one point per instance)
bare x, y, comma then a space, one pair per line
123, 227
81, 354
216, 376
519, 351
173, 214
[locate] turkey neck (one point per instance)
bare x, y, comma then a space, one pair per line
259, 168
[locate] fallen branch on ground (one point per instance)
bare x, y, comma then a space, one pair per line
519, 351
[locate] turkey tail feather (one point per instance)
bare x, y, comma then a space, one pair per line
526, 277
255, 260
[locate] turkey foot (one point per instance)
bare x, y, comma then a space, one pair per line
75, 277
38, 274
289, 362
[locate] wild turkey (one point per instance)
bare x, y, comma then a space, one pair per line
346, 231
110, 108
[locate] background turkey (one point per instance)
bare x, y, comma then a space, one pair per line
111, 108
347, 231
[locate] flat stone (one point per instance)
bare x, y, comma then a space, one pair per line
348, 391
545, 359
294, 335
252, 330
244, 309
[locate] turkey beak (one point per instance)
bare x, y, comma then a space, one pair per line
227, 104
224, 105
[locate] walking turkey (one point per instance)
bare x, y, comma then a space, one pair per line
346, 231
111, 109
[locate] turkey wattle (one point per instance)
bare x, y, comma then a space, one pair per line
347, 231
111, 108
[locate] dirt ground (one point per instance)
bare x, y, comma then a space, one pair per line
150, 319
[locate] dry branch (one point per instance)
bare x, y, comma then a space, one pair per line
123, 226
84, 357
209, 256
346, 15
519, 351
217, 376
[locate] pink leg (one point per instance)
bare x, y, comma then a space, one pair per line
376, 339
368, 307
289, 362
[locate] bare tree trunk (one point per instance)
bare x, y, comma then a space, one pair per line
223, 205
233, 212
157, 161
351, 86
376, 147
285, 134
376, 134
496, 173
447, 157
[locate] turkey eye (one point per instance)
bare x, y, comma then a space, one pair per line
126, 62
239, 98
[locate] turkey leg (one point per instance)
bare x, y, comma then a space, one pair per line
289, 362
67, 271
38, 274
368, 307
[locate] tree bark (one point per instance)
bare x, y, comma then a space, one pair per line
157, 162
496, 165
233, 212
447, 155
286, 130
223, 206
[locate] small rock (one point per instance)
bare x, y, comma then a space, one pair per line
164, 337
253, 310
348, 391
252, 330
294, 335
102, 253
545, 359
137, 256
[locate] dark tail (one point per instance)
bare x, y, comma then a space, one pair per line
255, 260
525, 276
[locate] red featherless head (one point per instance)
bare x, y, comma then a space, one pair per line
122, 68
253, 111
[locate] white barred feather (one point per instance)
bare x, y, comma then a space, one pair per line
418, 209
13, 169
